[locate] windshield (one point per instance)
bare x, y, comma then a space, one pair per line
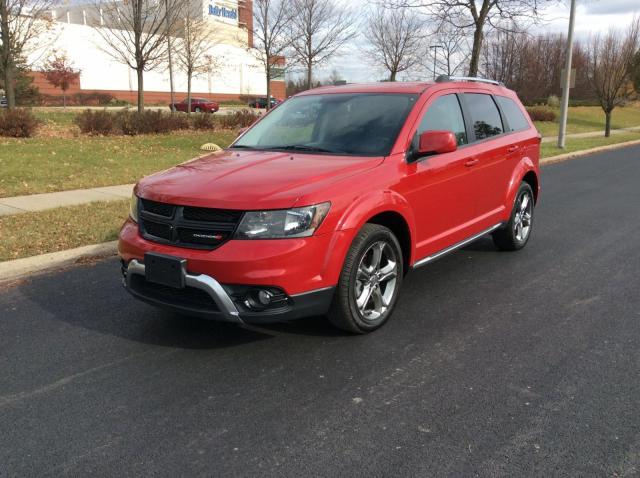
349, 124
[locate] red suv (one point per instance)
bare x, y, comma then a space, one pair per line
198, 105
325, 204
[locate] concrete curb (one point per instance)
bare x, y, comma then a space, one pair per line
586, 152
21, 268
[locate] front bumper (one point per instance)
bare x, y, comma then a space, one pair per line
192, 300
295, 265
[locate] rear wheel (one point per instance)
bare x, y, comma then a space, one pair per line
517, 232
197, 109
369, 283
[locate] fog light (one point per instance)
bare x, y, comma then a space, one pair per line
258, 299
264, 297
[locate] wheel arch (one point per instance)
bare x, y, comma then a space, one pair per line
525, 171
396, 222
387, 209
531, 178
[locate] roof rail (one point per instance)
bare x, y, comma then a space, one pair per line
445, 78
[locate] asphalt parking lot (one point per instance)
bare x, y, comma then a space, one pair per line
495, 364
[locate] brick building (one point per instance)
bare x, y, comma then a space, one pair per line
236, 74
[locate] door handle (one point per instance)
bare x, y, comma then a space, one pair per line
512, 149
471, 162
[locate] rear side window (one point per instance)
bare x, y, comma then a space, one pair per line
445, 114
515, 119
485, 116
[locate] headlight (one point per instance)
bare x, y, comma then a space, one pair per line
297, 222
133, 207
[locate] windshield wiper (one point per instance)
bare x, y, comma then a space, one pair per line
241, 146
302, 147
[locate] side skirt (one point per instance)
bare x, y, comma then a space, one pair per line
454, 247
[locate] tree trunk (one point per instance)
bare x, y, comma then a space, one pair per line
309, 76
475, 51
64, 100
140, 73
607, 124
268, 90
171, 87
189, 74
392, 76
9, 87
7, 56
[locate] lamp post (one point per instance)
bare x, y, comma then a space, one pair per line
435, 53
564, 107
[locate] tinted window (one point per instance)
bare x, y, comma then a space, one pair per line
350, 124
445, 114
514, 115
485, 116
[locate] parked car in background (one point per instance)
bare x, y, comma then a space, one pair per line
198, 105
262, 102
323, 205
3, 102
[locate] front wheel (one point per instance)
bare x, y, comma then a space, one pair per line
516, 233
369, 283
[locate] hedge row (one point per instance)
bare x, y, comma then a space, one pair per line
18, 123
541, 113
132, 123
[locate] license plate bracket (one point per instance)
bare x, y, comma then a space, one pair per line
165, 270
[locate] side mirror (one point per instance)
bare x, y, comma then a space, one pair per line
436, 142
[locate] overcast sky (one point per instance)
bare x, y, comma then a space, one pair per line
592, 16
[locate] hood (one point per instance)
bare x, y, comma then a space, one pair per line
250, 179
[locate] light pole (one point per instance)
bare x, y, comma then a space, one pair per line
564, 107
435, 56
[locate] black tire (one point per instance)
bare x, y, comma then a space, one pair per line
508, 238
344, 312
197, 109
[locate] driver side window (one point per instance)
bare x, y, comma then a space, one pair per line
445, 114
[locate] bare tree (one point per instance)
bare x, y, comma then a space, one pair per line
169, 25
453, 49
474, 16
335, 77
270, 33
531, 65
396, 39
23, 27
135, 33
196, 40
320, 28
610, 68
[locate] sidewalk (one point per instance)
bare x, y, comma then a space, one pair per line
40, 202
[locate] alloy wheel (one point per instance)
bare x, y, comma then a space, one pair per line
522, 218
376, 280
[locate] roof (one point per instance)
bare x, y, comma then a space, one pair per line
414, 87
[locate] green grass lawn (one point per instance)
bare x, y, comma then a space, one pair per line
583, 119
57, 117
39, 165
578, 144
60, 229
